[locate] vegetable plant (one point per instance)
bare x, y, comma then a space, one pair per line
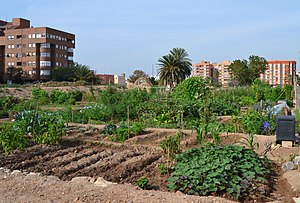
143, 183
214, 169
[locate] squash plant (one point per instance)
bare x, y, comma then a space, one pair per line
214, 169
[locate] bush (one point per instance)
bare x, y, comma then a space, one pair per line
214, 169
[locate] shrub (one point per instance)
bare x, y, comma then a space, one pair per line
214, 169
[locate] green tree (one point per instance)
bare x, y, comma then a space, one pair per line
75, 72
62, 73
82, 72
14, 74
136, 75
245, 72
174, 67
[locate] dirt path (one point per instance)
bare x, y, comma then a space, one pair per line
19, 187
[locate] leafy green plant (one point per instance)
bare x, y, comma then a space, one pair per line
248, 141
143, 183
137, 128
163, 168
121, 134
214, 169
109, 129
45, 127
40, 95
171, 145
13, 136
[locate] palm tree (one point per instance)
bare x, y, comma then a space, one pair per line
174, 67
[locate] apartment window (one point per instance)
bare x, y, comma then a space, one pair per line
70, 49
18, 46
31, 63
10, 37
29, 36
38, 35
45, 63
44, 35
33, 35
45, 72
45, 45
70, 58
19, 36
45, 54
11, 46
19, 55
19, 63
11, 63
10, 55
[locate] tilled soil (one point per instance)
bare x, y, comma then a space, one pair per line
85, 152
118, 164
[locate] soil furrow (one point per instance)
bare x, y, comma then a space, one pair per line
99, 168
66, 158
80, 164
27, 158
132, 166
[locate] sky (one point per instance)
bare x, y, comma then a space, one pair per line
120, 36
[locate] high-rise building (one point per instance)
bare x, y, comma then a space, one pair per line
37, 50
224, 76
280, 72
203, 69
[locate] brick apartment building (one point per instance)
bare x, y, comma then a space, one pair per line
203, 69
280, 72
224, 76
37, 50
206, 69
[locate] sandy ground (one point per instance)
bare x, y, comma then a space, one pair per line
19, 187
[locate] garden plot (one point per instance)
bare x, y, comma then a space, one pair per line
71, 159
84, 151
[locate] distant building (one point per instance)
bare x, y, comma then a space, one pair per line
203, 69
120, 80
37, 50
106, 79
280, 72
224, 76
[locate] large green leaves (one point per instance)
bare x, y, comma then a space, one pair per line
211, 169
